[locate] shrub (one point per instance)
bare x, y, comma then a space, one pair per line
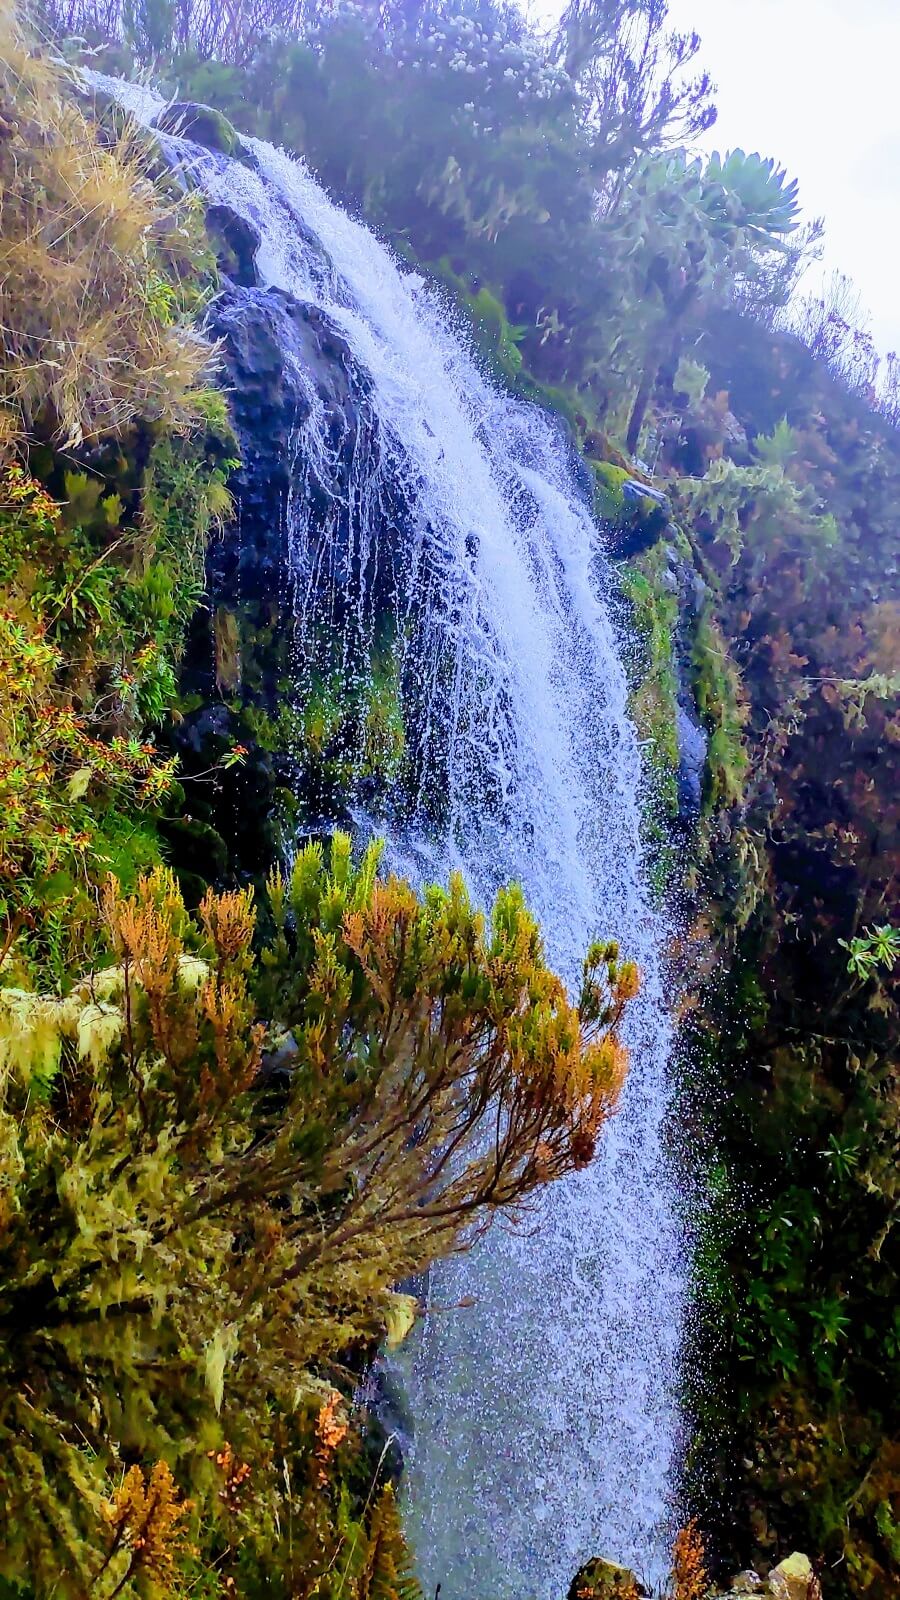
191, 1230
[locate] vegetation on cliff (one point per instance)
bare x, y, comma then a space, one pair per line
204, 1213
646, 296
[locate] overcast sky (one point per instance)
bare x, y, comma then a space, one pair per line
816, 83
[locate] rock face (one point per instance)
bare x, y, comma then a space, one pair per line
290, 567
284, 358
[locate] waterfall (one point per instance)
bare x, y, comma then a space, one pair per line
545, 1410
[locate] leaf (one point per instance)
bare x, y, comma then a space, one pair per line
400, 1317
216, 1356
77, 786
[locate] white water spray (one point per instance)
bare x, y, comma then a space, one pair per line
546, 1420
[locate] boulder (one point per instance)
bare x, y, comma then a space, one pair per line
794, 1579
637, 513
604, 1580
202, 124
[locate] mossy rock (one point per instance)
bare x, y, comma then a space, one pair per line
609, 496
639, 512
604, 1580
793, 1579
196, 849
203, 124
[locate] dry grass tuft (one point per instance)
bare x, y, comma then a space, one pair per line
90, 332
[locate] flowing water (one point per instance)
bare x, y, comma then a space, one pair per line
546, 1419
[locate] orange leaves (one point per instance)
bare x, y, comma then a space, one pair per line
331, 1430
149, 1518
689, 1576
428, 1021
237, 1046
180, 991
235, 1474
380, 935
229, 921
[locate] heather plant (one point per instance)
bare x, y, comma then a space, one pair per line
202, 1213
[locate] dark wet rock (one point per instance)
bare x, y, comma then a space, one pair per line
282, 358
307, 432
277, 1066
236, 242
306, 424
693, 742
637, 513
636, 492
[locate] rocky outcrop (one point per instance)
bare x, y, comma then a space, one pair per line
201, 124
604, 1580
793, 1579
297, 394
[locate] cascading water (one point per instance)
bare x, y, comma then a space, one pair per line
546, 1420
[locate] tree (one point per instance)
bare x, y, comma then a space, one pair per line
634, 79
693, 232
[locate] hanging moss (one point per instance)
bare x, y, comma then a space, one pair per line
717, 686
384, 731
654, 703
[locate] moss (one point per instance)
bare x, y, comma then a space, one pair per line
654, 702
604, 1580
384, 732
609, 499
717, 687
227, 635
499, 340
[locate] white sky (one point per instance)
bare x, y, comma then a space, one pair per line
816, 83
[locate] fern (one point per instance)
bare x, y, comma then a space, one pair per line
388, 1569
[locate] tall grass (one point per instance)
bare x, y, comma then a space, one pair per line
91, 333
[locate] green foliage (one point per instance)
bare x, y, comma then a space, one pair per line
761, 504
384, 733
653, 700
777, 448
97, 598
186, 1244
718, 692
879, 947
590, 256
387, 1573
756, 193
102, 552
691, 379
